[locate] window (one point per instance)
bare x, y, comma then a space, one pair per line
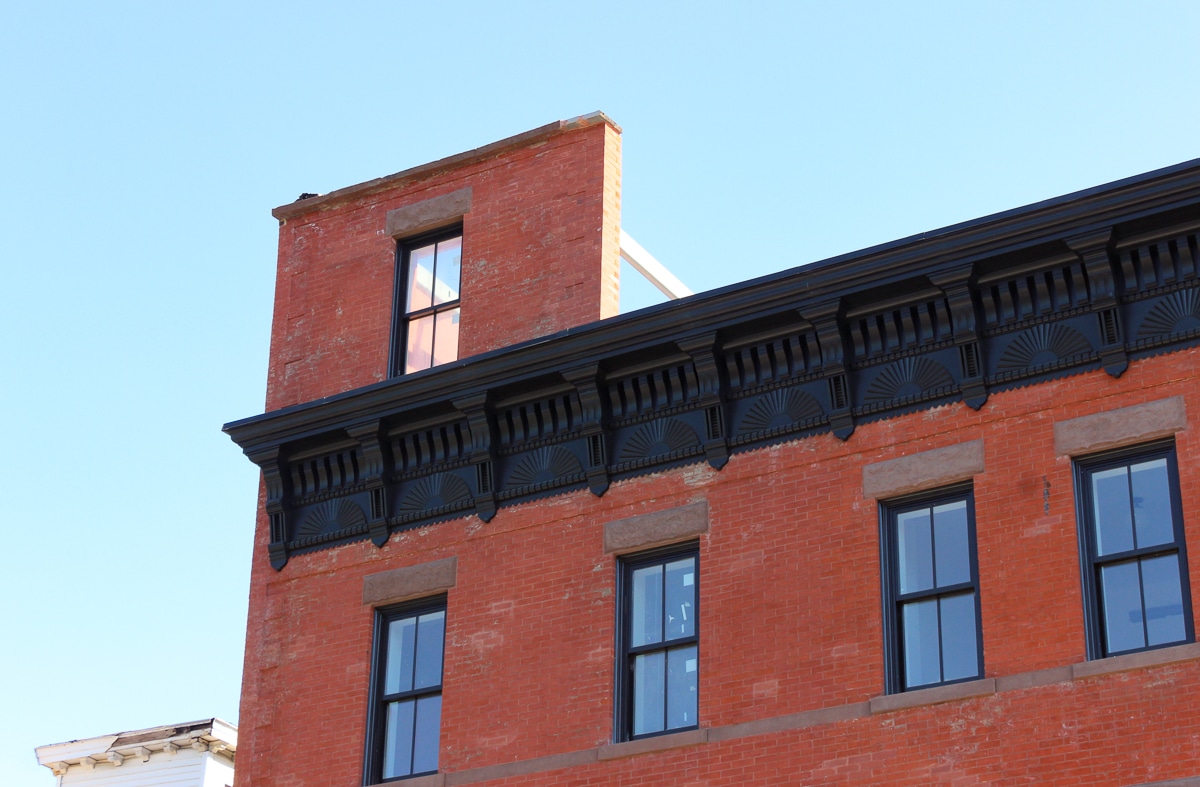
658, 647
427, 282
406, 711
931, 591
1135, 577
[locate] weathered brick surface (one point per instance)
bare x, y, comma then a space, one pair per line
540, 255
790, 622
791, 650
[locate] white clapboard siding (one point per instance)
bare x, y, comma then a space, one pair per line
185, 768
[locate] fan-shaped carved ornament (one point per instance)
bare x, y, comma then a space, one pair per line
331, 517
659, 438
778, 410
1042, 345
906, 378
544, 466
1179, 312
436, 491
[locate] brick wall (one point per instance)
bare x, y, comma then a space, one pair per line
540, 255
790, 620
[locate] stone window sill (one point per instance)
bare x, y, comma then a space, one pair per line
675, 740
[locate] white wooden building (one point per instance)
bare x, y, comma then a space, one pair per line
193, 754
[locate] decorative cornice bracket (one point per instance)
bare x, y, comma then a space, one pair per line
832, 340
702, 349
956, 286
270, 459
1095, 250
586, 380
369, 437
477, 409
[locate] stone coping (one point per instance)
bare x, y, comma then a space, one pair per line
524, 139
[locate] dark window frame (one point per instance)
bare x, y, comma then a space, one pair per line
623, 706
1090, 563
401, 317
376, 707
893, 599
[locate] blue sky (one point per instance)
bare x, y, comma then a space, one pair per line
144, 145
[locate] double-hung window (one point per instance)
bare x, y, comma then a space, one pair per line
658, 643
406, 711
427, 302
931, 591
1136, 593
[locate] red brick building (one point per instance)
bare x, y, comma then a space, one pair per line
919, 514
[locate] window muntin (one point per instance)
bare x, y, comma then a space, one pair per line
658, 675
931, 593
1136, 594
406, 718
428, 315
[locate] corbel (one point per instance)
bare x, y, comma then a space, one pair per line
170, 748
586, 380
88, 763
143, 753
199, 744
59, 768
480, 424
832, 341
271, 460
116, 758
1095, 250
955, 285
702, 349
369, 439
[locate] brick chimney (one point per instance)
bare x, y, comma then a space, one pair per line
538, 215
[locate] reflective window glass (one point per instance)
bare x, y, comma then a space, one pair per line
960, 646
647, 606
915, 550
1152, 503
402, 639
449, 270
952, 549
420, 278
680, 620
420, 344
1114, 528
1121, 590
649, 692
682, 682
921, 659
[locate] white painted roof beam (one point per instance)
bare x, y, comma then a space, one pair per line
654, 271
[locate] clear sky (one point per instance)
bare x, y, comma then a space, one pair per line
143, 145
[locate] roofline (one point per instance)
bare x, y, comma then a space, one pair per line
831, 280
524, 139
73, 751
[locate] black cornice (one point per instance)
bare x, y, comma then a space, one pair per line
927, 254
860, 336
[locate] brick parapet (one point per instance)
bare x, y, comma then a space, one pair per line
543, 218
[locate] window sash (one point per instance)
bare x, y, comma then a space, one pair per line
673, 677
1116, 622
426, 307
930, 585
405, 718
